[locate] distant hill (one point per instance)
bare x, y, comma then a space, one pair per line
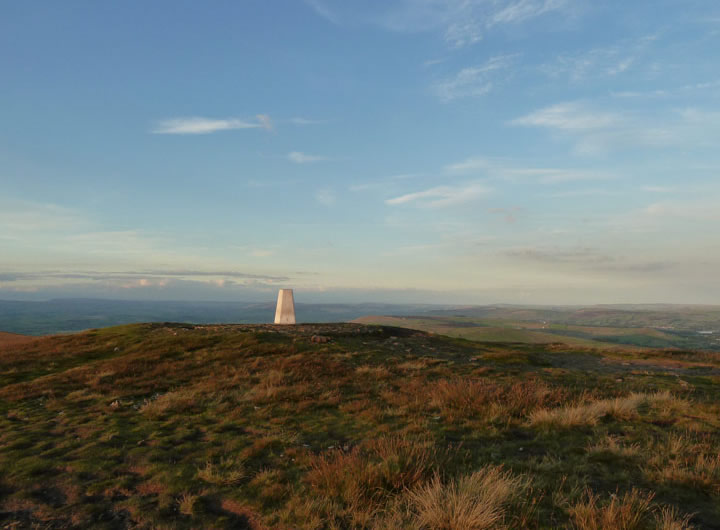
600, 327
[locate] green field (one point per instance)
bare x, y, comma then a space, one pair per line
352, 426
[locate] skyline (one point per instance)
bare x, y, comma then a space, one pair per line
449, 151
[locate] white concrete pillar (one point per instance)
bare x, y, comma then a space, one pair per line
285, 312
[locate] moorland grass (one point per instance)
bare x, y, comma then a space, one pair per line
179, 426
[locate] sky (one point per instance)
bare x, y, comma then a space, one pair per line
449, 151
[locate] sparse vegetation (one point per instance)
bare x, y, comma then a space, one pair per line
166, 425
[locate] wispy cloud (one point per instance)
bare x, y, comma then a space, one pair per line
598, 62
442, 196
305, 121
581, 255
687, 210
660, 189
669, 91
262, 253
199, 125
571, 116
505, 170
521, 10
473, 81
18, 217
598, 131
265, 122
302, 158
592, 192
324, 11
509, 215
153, 274
460, 22
588, 259
325, 197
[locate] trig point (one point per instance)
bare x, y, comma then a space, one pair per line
285, 312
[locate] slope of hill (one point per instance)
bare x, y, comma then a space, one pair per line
351, 426
528, 330
13, 338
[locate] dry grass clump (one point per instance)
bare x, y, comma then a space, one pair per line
186, 503
268, 388
270, 484
684, 460
227, 472
668, 518
628, 512
375, 372
462, 398
417, 364
474, 501
401, 463
611, 445
172, 402
346, 476
355, 487
621, 408
634, 510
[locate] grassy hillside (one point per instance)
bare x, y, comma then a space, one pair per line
487, 331
13, 338
539, 331
352, 426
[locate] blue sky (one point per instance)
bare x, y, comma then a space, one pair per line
460, 151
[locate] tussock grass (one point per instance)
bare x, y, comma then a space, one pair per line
227, 472
669, 518
462, 398
186, 503
634, 510
476, 501
172, 402
685, 459
385, 464
612, 445
588, 414
376, 372
629, 512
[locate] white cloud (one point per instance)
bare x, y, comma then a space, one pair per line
302, 158
442, 196
687, 210
594, 192
521, 10
596, 132
660, 189
265, 122
199, 125
321, 9
473, 81
607, 61
305, 121
571, 116
460, 22
18, 217
640, 94
504, 170
325, 197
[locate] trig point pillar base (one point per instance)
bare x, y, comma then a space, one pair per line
285, 312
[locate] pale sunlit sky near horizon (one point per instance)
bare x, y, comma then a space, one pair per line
453, 151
